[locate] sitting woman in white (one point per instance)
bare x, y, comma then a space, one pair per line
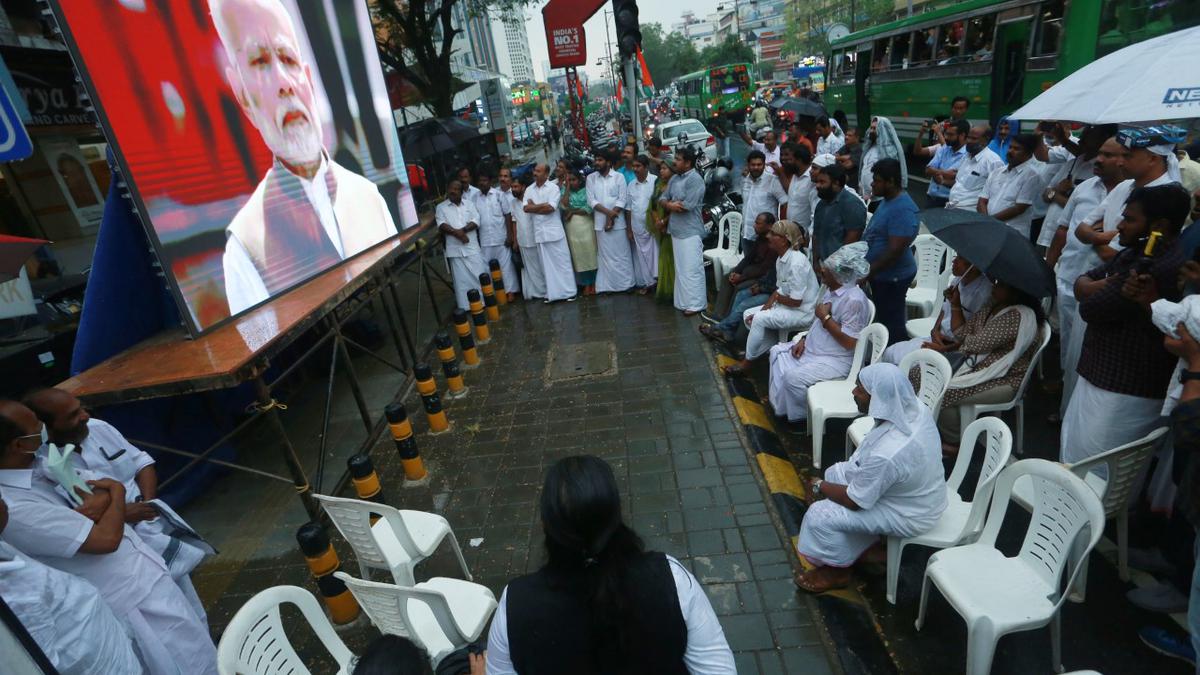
828, 351
791, 306
968, 292
893, 484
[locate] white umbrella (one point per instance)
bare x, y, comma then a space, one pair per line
1152, 80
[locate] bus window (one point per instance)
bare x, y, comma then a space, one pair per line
898, 56
923, 42
980, 31
882, 55
1049, 30
1124, 22
949, 44
848, 61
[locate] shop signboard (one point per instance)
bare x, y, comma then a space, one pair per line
255, 136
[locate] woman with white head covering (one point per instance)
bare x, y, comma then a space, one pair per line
827, 351
882, 142
893, 484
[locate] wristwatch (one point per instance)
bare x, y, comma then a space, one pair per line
1186, 375
827, 317
816, 486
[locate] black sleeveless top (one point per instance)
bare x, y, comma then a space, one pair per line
549, 631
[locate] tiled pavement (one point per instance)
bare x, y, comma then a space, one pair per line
620, 377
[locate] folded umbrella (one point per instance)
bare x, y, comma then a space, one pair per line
14, 251
996, 249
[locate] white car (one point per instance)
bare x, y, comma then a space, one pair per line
673, 134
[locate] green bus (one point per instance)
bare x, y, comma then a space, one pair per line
1000, 54
704, 92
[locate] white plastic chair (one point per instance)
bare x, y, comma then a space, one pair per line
725, 256
440, 615
827, 400
934, 379
919, 328
997, 595
931, 279
255, 643
961, 521
396, 542
1114, 476
968, 412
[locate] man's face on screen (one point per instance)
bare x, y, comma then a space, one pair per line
273, 85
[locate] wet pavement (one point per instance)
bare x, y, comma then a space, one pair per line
621, 377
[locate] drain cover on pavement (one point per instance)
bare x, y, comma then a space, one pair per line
586, 359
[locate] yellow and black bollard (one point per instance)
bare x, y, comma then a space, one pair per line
406, 443
323, 562
482, 334
498, 282
489, 297
454, 379
366, 480
427, 388
466, 343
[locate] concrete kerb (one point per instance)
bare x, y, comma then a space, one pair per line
851, 633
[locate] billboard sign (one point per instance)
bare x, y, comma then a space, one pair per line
255, 135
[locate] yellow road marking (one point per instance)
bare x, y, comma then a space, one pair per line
780, 475
752, 412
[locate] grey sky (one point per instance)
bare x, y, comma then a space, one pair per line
665, 12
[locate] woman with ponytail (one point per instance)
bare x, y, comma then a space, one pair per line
601, 604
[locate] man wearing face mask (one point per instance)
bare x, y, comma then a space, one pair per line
93, 541
972, 173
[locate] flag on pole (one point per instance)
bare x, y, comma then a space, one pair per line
646, 88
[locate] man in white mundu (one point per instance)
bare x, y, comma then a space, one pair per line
608, 196
541, 203
533, 279
457, 219
645, 244
495, 239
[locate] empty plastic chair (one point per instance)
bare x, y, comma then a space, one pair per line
997, 595
961, 521
255, 643
968, 412
396, 542
725, 256
440, 615
827, 400
935, 377
931, 279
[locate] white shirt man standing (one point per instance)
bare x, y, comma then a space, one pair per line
801, 201
972, 173
645, 244
495, 240
828, 142
457, 219
533, 279
761, 193
608, 195
1009, 193
541, 203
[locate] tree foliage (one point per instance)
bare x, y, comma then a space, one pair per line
808, 22
670, 55
731, 50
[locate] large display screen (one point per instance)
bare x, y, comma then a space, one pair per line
255, 135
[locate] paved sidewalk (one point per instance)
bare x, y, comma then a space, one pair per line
620, 377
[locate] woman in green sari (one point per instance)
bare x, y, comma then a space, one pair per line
665, 292
581, 233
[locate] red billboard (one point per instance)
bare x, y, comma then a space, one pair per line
255, 135
565, 39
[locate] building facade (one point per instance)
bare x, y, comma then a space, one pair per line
511, 43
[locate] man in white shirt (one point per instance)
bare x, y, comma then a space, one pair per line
761, 193
533, 279
308, 213
1010, 192
541, 203
828, 142
608, 195
104, 451
769, 148
93, 541
645, 244
972, 173
495, 238
64, 614
457, 219
1070, 163
796, 180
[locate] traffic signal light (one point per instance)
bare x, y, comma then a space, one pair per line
629, 34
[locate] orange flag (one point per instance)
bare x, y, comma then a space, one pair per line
646, 81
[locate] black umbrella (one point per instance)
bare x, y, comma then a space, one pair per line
999, 251
800, 106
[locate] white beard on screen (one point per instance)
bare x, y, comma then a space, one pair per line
299, 143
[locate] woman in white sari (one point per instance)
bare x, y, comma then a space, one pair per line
893, 484
827, 352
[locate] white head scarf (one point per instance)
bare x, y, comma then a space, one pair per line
892, 397
849, 263
823, 160
888, 142
1167, 151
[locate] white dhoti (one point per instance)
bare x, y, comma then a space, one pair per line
557, 269
770, 326
167, 636
508, 270
465, 272
833, 535
181, 558
1098, 420
614, 273
791, 377
691, 295
896, 353
533, 279
645, 258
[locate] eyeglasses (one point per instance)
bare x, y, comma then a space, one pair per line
37, 435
